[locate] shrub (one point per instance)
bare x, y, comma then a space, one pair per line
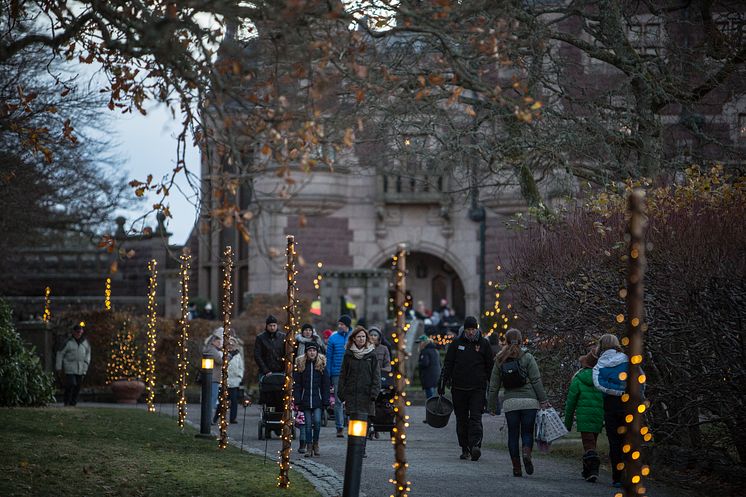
24, 382
567, 279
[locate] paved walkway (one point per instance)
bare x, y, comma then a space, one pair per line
434, 466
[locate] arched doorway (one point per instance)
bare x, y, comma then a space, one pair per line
431, 279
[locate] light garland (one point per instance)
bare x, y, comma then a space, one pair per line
399, 432
317, 280
283, 480
123, 363
502, 323
181, 357
47, 312
635, 430
152, 336
227, 312
107, 295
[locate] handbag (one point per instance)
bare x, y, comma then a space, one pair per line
549, 426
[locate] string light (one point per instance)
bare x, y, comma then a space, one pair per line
500, 317
47, 312
227, 312
152, 338
283, 480
181, 357
399, 432
123, 363
635, 431
107, 295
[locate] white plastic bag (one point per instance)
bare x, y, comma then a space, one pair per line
549, 426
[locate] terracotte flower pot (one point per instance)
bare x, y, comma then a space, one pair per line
127, 391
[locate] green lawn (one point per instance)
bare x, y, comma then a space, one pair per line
124, 452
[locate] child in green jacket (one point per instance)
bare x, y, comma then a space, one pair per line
586, 403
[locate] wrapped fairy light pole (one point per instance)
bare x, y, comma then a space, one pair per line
399, 432
181, 357
227, 312
152, 337
283, 480
635, 405
47, 311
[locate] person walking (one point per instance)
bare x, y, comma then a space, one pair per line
72, 361
214, 350
429, 365
235, 378
609, 376
307, 335
466, 369
269, 348
516, 371
382, 352
335, 351
311, 394
585, 403
359, 376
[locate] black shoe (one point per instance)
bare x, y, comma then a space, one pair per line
339, 433
465, 454
476, 453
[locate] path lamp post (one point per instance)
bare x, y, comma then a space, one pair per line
204, 422
357, 431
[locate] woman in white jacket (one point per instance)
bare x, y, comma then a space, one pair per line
73, 361
235, 377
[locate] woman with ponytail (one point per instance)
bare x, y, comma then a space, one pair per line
518, 374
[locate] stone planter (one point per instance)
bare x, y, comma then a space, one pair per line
127, 391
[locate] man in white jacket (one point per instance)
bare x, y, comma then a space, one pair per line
73, 361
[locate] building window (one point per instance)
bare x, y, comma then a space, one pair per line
646, 37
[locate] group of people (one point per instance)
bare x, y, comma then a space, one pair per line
594, 397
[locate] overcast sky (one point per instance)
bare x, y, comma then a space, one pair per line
147, 145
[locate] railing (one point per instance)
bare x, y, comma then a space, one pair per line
412, 189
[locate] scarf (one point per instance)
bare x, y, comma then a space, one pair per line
359, 353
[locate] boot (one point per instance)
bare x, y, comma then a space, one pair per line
591, 464
516, 466
465, 454
476, 453
529, 465
302, 448
316, 449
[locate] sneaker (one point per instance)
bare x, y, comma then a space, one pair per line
465, 454
476, 453
234, 422
340, 434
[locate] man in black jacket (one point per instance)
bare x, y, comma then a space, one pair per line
467, 368
269, 349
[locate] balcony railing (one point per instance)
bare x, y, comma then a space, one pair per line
412, 189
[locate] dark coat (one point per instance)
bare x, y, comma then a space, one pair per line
269, 352
429, 366
359, 383
468, 365
311, 387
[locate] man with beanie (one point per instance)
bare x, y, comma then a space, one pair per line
73, 360
467, 368
335, 351
269, 349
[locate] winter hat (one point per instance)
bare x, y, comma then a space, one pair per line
345, 319
421, 338
312, 346
270, 319
470, 322
306, 326
327, 333
590, 359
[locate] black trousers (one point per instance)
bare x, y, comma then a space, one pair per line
72, 388
468, 406
613, 419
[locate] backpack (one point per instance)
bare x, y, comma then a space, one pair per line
511, 374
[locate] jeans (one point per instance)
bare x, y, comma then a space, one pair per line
613, 419
589, 440
232, 402
520, 422
72, 388
429, 392
468, 406
339, 413
214, 390
313, 424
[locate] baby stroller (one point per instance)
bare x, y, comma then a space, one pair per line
271, 394
384, 419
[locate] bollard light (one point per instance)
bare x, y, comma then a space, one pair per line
357, 434
208, 363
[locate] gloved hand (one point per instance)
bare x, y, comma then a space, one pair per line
441, 387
